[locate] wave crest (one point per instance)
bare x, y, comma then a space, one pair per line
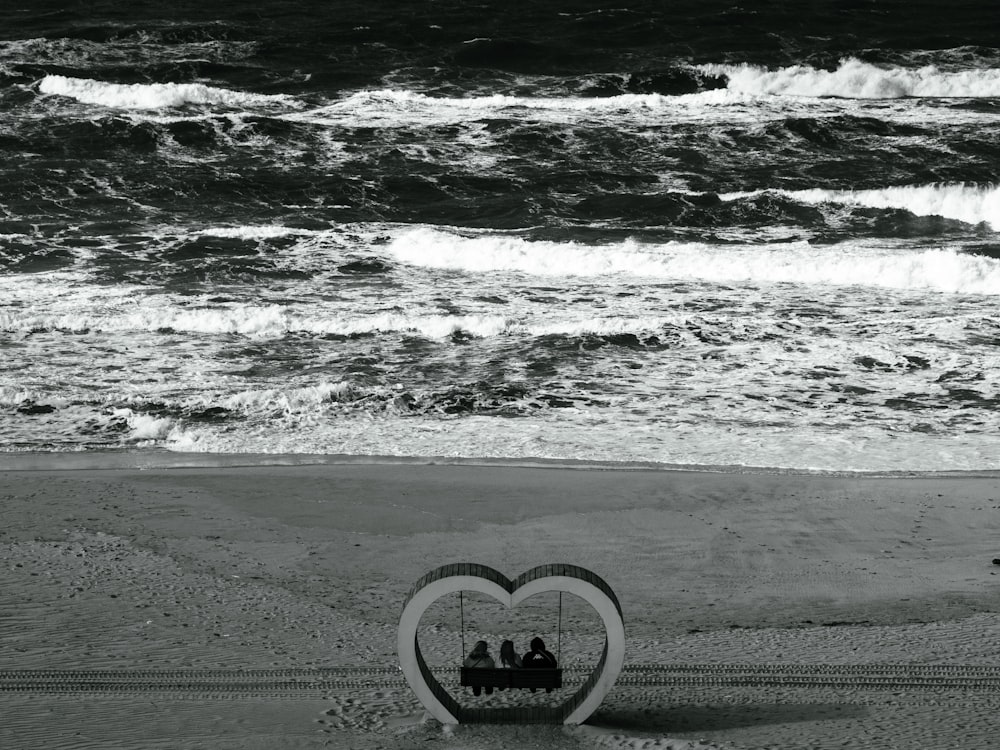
973, 204
854, 79
944, 270
149, 95
256, 322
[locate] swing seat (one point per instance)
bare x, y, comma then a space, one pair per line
519, 679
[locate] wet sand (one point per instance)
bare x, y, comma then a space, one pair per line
304, 566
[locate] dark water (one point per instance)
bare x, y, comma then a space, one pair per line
679, 232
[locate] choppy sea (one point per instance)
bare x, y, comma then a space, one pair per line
691, 233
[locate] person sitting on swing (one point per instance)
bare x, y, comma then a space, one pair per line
508, 657
538, 657
480, 658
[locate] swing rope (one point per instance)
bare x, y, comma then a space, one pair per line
559, 633
461, 609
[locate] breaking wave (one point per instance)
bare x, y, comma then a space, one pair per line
973, 204
150, 95
290, 400
393, 107
274, 322
255, 321
854, 79
944, 270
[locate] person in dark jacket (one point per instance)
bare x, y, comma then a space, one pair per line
479, 658
538, 657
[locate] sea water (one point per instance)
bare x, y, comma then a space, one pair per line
685, 233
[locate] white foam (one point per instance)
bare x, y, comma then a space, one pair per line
256, 232
581, 435
854, 79
13, 396
276, 322
398, 99
969, 203
944, 270
395, 107
145, 426
289, 400
149, 95
250, 320
754, 103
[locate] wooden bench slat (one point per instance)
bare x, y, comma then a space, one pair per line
515, 679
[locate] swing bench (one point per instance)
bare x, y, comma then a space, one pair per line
530, 678
515, 679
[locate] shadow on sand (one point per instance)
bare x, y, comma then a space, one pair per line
676, 719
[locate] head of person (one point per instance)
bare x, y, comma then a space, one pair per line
537, 644
507, 651
480, 649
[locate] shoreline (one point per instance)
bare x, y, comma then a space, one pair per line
102, 460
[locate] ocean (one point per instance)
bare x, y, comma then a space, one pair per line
691, 233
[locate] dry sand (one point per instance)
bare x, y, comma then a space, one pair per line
308, 566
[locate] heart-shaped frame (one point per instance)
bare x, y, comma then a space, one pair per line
573, 579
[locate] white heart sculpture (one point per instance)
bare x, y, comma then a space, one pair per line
449, 579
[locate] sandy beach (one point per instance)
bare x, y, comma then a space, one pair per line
299, 567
